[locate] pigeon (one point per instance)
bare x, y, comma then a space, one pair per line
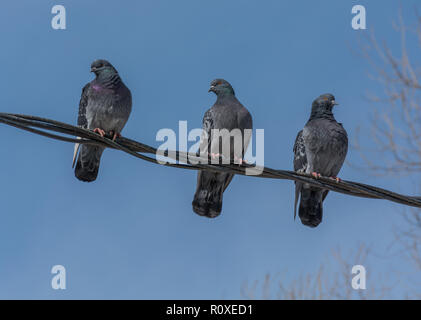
104, 107
227, 113
320, 149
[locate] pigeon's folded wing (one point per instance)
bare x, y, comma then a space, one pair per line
81, 119
300, 157
205, 139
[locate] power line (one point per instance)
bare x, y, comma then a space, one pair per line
69, 133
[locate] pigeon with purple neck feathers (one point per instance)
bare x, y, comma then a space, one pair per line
104, 107
227, 113
320, 149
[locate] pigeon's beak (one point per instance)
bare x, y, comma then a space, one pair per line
212, 89
93, 69
334, 103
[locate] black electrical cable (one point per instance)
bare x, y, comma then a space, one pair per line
45, 127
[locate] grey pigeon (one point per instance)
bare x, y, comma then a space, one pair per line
104, 107
319, 149
227, 113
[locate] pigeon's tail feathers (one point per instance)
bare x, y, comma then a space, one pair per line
310, 210
207, 200
208, 203
87, 165
77, 145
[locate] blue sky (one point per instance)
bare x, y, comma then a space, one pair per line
132, 233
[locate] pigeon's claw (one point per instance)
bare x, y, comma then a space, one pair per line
239, 161
115, 135
100, 132
336, 179
316, 175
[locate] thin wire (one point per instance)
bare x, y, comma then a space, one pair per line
192, 161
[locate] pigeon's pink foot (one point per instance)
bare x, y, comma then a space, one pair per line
336, 179
115, 135
240, 161
316, 175
215, 155
100, 132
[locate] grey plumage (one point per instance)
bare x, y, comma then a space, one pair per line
105, 106
227, 113
321, 148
